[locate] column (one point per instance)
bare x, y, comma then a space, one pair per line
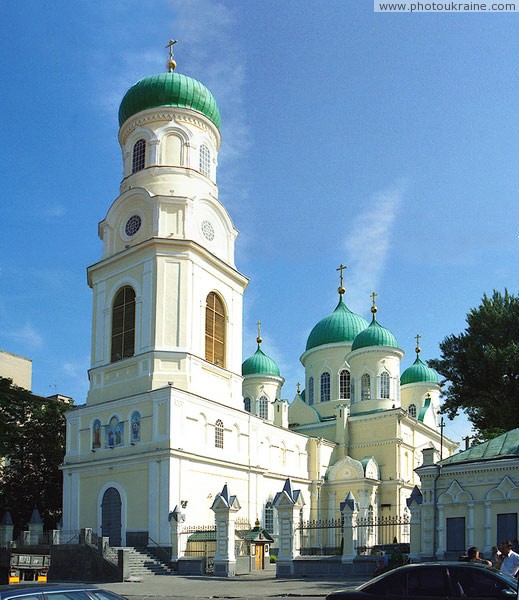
350, 513
288, 504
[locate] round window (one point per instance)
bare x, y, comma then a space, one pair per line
133, 225
208, 230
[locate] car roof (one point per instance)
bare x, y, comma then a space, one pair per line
22, 589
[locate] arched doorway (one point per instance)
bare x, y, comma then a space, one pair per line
111, 516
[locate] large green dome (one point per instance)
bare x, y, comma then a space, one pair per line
169, 89
259, 364
341, 326
374, 335
419, 372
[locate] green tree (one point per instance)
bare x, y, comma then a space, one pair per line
32, 446
481, 367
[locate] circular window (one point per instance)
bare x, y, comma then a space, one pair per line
133, 225
208, 230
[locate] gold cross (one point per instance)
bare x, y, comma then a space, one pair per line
418, 338
341, 268
258, 339
373, 295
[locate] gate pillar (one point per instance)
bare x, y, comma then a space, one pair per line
288, 504
225, 508
414, 504
178, 541
350, 513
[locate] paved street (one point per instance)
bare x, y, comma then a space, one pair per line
258, 585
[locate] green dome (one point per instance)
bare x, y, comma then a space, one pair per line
169, 89
341, 326
259, 364
374, 335
419, 372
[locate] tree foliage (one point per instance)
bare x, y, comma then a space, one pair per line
481, 366
32, 446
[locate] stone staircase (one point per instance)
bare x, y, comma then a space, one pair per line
143, 563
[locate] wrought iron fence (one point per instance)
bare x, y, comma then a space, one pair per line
325, 537
322, 537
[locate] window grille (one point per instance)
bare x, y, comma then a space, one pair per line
215, 330
123, 324
325, 387
344, 384
139, 156
218, 434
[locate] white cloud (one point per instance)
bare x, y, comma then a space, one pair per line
368, 246
27, 336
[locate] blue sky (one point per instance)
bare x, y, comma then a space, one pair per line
387, 142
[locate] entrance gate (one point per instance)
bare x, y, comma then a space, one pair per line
111, 516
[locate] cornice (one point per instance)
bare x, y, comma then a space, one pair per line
178, 115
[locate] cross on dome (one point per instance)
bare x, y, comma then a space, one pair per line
171, 64
341, 268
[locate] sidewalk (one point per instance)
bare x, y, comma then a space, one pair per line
261, 584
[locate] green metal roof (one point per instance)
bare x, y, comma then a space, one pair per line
503, 446
419, 372
425, 408
342, 325
374, 335
259, 364
169, 89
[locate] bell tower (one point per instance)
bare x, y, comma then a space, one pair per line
167, 297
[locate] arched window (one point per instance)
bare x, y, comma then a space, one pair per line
344, 384
365, 387
384, 385
246, 404
263, 407
412, 410
135, 424
325, 387
139, 156
311, 391
218, 434
205, 161
123, 324
96, 434
269, 517
215, 330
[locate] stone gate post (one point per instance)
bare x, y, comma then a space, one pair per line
288, 504
225, 508
350, 532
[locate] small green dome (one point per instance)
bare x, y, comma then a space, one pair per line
374, 335
419, 372
259, 364
169, 89
340, 326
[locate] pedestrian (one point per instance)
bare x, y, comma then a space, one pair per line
510, 559
495, 557
473, 556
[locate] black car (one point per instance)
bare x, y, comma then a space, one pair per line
440, 581
33, 591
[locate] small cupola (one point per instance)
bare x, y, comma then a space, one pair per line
262, 382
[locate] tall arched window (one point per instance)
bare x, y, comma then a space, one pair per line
311, 391
344, 385
384, 385
269, 517
246, 404
218, 434
139, 156
412, 410
205, 161
263, 407
365, 385
325, 387
215, 330
123, 324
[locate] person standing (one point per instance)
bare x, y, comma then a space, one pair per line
509, 559
473, 556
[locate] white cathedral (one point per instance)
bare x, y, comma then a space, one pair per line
173, 414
